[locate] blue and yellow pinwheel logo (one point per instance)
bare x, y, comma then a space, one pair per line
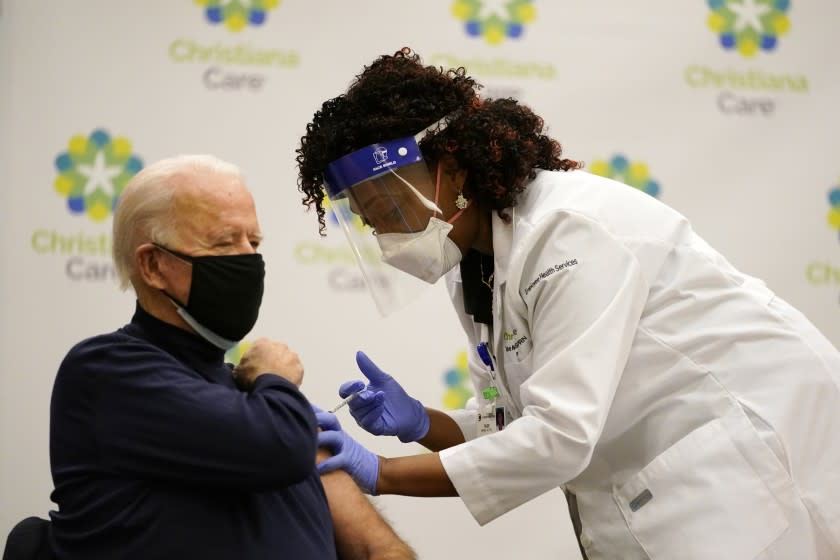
457, 382
633, 173
494, 20
834, 201
236, 15
93, 172
749, 26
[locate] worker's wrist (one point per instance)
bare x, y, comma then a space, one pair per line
382, 485
420, 426
370, 482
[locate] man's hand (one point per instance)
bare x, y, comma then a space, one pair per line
268, 357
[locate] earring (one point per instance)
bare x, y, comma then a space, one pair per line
461, 202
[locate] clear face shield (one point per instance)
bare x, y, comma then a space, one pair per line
386, 202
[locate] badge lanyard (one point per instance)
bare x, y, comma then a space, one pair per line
491, 415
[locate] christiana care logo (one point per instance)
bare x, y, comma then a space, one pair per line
236, 15
749, 26
94, 171
234, 67
494, 20
635, 173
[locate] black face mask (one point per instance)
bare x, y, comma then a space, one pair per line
225, 294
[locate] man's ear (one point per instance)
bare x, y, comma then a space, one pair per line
147, 261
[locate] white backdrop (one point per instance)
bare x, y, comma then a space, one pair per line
741, 140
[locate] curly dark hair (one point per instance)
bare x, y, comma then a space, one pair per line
498, 142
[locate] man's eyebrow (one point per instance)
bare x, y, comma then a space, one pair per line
228, 234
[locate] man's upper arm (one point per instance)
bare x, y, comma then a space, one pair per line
157, 419
360, 531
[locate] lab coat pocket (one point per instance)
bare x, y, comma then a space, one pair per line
701, 499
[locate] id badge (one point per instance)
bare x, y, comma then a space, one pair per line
491, 419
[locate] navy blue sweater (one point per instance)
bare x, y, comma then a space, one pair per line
155, 454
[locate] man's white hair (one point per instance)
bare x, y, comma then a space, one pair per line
144, 211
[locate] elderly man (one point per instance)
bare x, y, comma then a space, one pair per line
158, 448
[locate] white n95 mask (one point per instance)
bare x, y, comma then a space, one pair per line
427, 254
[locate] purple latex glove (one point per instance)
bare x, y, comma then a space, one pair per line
348, 454
384, 408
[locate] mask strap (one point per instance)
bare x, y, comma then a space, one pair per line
202, 331
437, 192
176, 254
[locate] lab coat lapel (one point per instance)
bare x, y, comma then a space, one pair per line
502, 240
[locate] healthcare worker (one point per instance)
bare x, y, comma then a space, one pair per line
689, 411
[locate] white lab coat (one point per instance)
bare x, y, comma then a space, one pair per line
694, 413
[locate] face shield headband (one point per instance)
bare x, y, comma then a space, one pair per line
370, 162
